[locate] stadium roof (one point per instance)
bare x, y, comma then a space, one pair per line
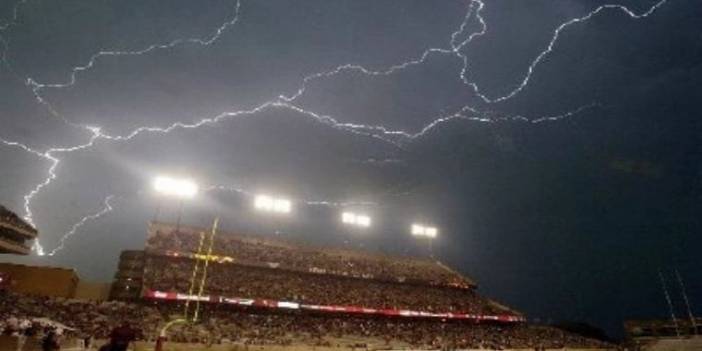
14, 232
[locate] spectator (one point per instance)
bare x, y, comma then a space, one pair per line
121, 336
261, 326
87, 341
50, 342
23, 330
277, 253
166, 273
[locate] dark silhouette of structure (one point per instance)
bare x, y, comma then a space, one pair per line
15, 233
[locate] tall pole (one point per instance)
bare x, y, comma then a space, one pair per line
158, 210
348, 242
687, 302
431, 247
180, 214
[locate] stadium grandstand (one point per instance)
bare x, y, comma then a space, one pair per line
167, 239
192, 289
127, 284
272, 272
260, 291
15, 233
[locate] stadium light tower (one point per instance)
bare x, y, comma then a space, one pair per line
420, 230
351, 219
275, 205
425, 232
354, 219
272, 204
180, 188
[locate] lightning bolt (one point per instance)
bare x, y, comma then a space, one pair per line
23, 147
549, 48
37, 87
49, 155
475, 7
107, 207
469, 114
455, 48
54, 161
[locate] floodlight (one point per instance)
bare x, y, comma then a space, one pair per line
263, 202
271, 204
363, 221
423, 231
355, 219
281, 205
183, 188
348, 217
430, 232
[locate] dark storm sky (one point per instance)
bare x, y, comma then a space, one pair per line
564, 218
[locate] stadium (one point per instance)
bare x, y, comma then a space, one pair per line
196, 286
389, 175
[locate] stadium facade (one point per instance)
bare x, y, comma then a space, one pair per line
50, 281
15, 233
39, 280
215, 288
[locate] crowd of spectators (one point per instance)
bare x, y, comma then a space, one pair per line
164, 273
294, 327
23, 329
277, 253
85, 318
224, 324
10, 217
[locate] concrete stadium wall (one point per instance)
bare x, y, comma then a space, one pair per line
92, 291
38, 280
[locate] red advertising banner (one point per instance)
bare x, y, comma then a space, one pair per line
152, 294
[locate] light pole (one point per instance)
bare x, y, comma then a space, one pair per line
179, 188
273, 205
356, 220
425, 232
